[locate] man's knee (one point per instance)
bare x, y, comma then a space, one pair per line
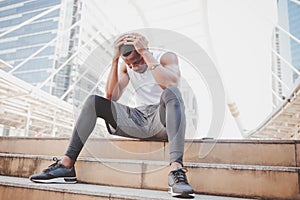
90, 101
171, 93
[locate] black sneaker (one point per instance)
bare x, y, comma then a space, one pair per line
178, 184
55, 173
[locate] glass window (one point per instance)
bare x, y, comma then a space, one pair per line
29, 6
36, 64
28, 40
34, 28
26, 52
34, 77
19, 20
9, 2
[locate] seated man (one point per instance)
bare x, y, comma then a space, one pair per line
159, 115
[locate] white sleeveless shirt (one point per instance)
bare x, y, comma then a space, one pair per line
147, 90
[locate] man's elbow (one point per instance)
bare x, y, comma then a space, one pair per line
167, 84
173, 81
112, 97
108, 96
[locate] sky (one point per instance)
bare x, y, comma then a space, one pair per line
239, 40
241, 33
237, 35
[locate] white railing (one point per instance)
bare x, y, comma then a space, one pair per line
36, 119
291, 91
287, 63
41, 49
86, 52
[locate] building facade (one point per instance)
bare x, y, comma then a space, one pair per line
73, 41
294, 28
37, 47
287, 65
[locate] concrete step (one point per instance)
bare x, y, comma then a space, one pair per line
12, 188
216, 179
241, 152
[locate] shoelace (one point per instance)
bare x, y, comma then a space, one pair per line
179, 175
52, 166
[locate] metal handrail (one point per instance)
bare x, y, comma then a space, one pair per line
48, 44
286, 62
67, 61
292, 95
77, 80
288, 33
41, 49
279, 80
283, 103
295, 1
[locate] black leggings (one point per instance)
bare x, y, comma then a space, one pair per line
171, 110
95, 106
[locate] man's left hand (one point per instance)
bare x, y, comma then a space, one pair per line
138, 41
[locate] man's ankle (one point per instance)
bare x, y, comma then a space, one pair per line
175, 166
67, 162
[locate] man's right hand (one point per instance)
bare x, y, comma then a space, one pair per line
120, 41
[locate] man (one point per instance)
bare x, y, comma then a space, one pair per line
159, 114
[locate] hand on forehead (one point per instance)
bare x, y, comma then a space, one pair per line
130, 36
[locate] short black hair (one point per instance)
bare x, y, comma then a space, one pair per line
126, 49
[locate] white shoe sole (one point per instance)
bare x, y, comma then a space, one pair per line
184, 195
56, 180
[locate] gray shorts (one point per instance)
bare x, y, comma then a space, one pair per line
141, 122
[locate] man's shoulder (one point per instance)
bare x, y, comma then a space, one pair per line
160, 50
158, 53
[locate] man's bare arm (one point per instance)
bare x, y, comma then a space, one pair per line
166, 72
117, 81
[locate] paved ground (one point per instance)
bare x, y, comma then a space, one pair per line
97, 190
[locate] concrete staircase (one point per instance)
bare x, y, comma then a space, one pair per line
20, 188
236, 168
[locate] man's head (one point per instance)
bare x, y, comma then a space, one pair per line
132, 58
125, 50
